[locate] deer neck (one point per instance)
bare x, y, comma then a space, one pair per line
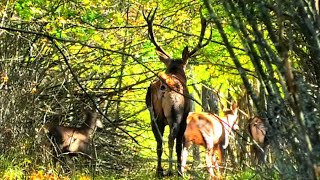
227, 130
180, 75
88, 127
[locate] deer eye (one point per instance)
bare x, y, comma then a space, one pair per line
162, 87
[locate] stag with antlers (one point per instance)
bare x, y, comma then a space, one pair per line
167, 97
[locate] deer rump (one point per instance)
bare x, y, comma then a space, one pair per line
205, 129
166, 97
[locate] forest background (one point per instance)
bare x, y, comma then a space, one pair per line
58, 58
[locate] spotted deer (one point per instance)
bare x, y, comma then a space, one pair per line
210, 131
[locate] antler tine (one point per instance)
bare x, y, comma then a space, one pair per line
219, 98
149, 20
204, 25
218, 93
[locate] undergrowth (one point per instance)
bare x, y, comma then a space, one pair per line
14, 168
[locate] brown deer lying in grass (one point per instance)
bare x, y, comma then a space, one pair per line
210, 131
258, 130
167, 97
74, 140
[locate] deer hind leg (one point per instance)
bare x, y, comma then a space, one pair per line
184, 156
215, 162
179, 144
171, 144
158, 129
209, 156
176, 132
185, 142
172, 137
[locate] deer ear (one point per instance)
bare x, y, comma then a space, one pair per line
234, 106
226, 141
164, 58
185, 55
222, 106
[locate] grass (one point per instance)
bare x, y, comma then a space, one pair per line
12, 169
18, 165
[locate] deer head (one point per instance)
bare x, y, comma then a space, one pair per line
175, 66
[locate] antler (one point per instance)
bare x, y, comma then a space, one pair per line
218, 93
149, 20
204, 25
